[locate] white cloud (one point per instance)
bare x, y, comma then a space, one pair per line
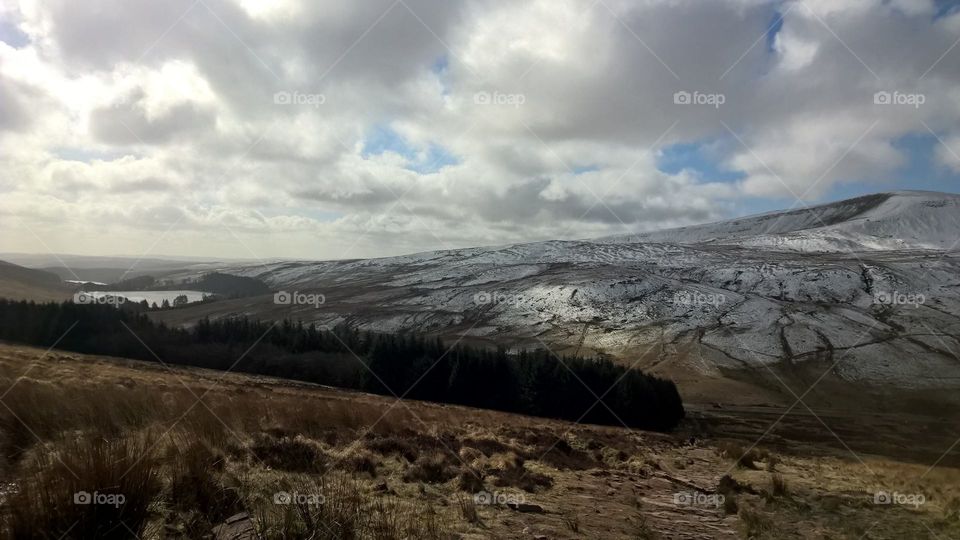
132, 116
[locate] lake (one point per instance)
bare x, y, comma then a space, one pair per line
151, 296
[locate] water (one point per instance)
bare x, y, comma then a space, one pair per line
151, 296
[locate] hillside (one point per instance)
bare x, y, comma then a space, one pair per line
192, 449
20, 283
726, 302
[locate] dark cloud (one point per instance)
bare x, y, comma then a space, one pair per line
127, 122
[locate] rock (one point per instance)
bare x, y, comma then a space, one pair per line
380, 487
525, 508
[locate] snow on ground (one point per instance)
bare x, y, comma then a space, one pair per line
866, 286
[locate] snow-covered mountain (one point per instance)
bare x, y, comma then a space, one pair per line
867, 290
896, 220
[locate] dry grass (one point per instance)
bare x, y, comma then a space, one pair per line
468, 509
778, 485
754, 523
337, 507
510, 470
87, 488
431, 469
385, 473
197, 493
291, 454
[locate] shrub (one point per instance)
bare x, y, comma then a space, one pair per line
33, 412
347, 512
392, 445
196, 491
470, 480
511, 471
433, 469
779, 485
562, 456
754, 523
746, 458
289, 454
468, 509
359, 462
91, 488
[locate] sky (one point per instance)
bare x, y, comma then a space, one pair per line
329, 130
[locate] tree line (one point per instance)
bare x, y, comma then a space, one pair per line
409, 365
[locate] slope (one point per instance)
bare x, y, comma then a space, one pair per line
19, 283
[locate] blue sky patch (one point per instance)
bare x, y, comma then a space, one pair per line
583, 169
11, 35
697, 158
945, 8
383, 138
776, 24
87, 155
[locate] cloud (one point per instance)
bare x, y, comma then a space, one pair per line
127, 122
500, 122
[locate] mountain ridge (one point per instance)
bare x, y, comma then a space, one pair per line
695, 312
845, 219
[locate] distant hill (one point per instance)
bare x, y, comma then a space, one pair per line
21, 283
99, 275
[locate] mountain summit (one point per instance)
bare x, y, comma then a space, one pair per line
894, 220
